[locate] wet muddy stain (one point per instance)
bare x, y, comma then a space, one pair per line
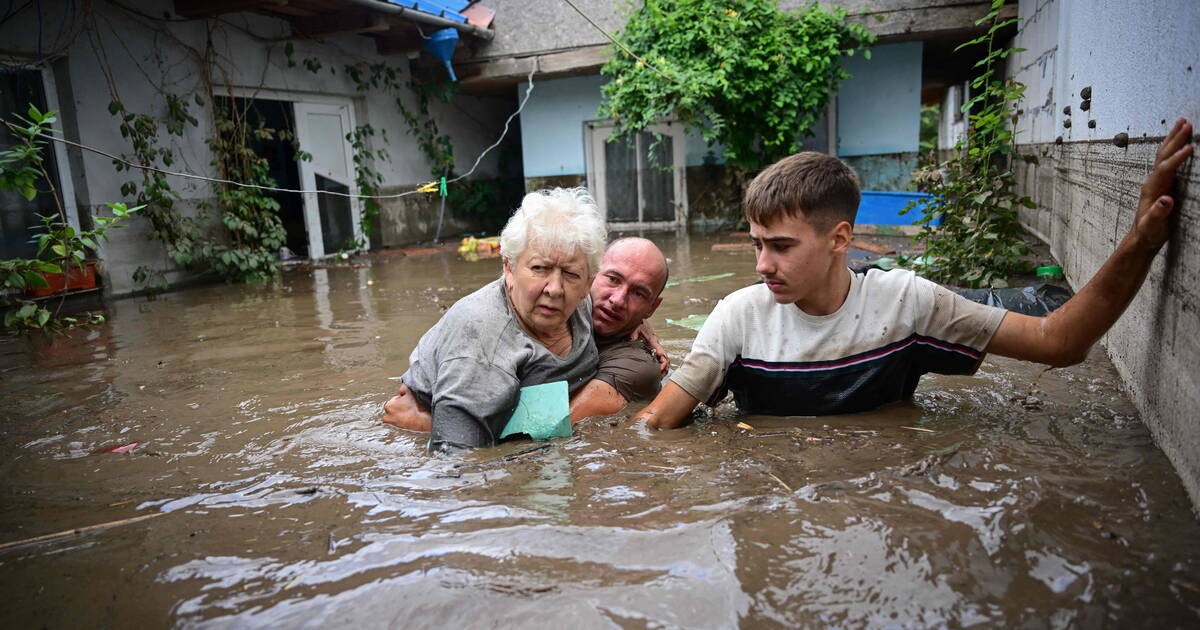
1014, 497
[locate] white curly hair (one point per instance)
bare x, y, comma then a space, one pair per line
562, 220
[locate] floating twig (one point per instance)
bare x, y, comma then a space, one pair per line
785, 486
295, 580
919, 429
743, 425
78, 530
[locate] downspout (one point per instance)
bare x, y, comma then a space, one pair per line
422, 17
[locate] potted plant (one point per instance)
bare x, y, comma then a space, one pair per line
62, 250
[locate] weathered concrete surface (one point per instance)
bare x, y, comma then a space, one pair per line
1139, 66
414, 219
555, 181
892, 171
1087, 195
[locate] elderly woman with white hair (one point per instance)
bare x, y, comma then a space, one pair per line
531, 326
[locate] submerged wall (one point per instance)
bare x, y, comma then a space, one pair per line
1142, 68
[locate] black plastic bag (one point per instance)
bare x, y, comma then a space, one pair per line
1035, 300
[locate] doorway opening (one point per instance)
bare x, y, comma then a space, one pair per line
280, 152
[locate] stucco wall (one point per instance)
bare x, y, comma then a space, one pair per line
552, 124
1141, 64
144, 56
879, 107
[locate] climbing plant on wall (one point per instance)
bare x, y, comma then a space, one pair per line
251, 216
743, 72
979, 241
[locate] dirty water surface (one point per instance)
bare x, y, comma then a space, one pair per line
1015, 498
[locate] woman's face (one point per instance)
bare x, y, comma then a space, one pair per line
545, 287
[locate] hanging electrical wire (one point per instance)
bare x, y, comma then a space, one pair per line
529, 89
431, 187
614, 40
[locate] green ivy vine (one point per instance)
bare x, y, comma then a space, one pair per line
251, 216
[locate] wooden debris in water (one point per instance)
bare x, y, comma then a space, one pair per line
883, 250
78, 530
919, 429
743, 425
786, 487
295, 580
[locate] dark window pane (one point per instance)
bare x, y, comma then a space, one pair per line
18, 90
620, 184
337, 222
658, 188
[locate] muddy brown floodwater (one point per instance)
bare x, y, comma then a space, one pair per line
1014, 498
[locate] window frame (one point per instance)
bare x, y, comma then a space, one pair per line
596, 134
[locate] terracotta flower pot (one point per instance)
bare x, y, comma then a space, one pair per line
73, 280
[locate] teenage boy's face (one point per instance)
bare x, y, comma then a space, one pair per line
793, 258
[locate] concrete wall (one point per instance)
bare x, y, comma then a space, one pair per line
552, 125
1142, 65
879, 115
879, 107
141, 56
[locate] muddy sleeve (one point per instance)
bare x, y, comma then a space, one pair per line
471, 401
955, 330
630, 370
717, 344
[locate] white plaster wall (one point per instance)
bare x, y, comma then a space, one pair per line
144, 56
879, 107
552, 124
1141, 59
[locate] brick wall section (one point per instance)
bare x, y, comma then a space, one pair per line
1087, 193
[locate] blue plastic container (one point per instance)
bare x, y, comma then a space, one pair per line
441, 44
882, 207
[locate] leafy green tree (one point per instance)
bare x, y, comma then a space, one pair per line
747, 75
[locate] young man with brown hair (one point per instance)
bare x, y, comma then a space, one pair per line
815, 338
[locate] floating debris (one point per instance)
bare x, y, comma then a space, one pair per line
691, 322
121, 448
919, 429
716, 276
785, 486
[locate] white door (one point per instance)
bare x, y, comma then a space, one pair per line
638, 182
332, 221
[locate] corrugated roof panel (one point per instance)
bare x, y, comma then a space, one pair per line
448, 9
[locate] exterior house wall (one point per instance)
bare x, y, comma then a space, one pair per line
140, 56
1141, 65
879, 115
552, 125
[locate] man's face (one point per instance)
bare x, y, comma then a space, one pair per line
626, 288
793, 258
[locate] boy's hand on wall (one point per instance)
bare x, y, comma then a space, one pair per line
1151, 226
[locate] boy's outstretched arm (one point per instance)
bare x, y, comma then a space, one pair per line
1065, 336
670, 409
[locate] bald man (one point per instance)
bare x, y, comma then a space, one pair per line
626, 291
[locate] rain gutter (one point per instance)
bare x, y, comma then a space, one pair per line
422, 17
